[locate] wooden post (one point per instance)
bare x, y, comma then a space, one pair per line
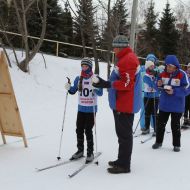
3, 137
57, 49
10, 120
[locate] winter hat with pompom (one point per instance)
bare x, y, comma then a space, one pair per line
148, 64
120, 41
86, 61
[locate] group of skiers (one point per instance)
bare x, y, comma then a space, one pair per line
165, 90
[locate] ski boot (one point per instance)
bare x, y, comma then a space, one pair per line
77, 155
118, 170
176, 149
90, 157
145, 131
156, 145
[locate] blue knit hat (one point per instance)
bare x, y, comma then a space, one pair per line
86, 61
120, 41
172, 60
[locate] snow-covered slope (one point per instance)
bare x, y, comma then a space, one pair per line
41, 99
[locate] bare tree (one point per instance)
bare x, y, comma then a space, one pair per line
109, 37
21, 16
22, 8
180, 13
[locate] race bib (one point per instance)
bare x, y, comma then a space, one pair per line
87, 97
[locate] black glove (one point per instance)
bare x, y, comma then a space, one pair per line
102, 83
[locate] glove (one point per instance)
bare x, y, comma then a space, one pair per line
101, 83
67, 86
95, 79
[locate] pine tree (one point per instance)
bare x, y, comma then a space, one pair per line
151, 31
168, 35
67, 25
65, 31
85, 21
148, 43
59, 25
119, 18
184, 44
118, 23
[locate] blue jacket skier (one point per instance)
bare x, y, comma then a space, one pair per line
175, 86
151, 96
87, 108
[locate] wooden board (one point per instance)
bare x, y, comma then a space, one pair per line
10, 120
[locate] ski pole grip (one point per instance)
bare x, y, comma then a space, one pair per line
69, 81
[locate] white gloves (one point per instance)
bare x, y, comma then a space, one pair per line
67, 86
95, 79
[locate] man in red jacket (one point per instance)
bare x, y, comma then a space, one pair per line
124, 99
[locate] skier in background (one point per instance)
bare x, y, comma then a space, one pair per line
152, 58
151, 96
174, 84
87, 108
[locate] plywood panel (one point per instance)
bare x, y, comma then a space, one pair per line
10, 120
5, 85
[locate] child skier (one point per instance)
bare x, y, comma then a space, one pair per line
151, 97
150, 57
87, 108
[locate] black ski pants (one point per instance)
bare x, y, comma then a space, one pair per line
151, 108
124, 131
175, 127
85, 123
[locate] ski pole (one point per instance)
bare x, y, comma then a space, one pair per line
155, 121
96, 144
60, 143
141, 116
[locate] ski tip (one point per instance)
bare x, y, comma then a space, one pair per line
37, 169
97, 163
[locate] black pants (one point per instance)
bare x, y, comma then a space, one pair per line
124, 131
175, 126
151, 108
187, 107
85, 123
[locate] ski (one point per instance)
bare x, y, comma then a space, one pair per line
55, 165
147, 139
137, 135
140, 134
83, 166
185, 127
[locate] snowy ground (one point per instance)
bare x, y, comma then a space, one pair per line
41, 99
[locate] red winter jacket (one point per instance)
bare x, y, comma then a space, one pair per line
124, 85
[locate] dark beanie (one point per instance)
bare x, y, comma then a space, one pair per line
86, 61
120, 41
